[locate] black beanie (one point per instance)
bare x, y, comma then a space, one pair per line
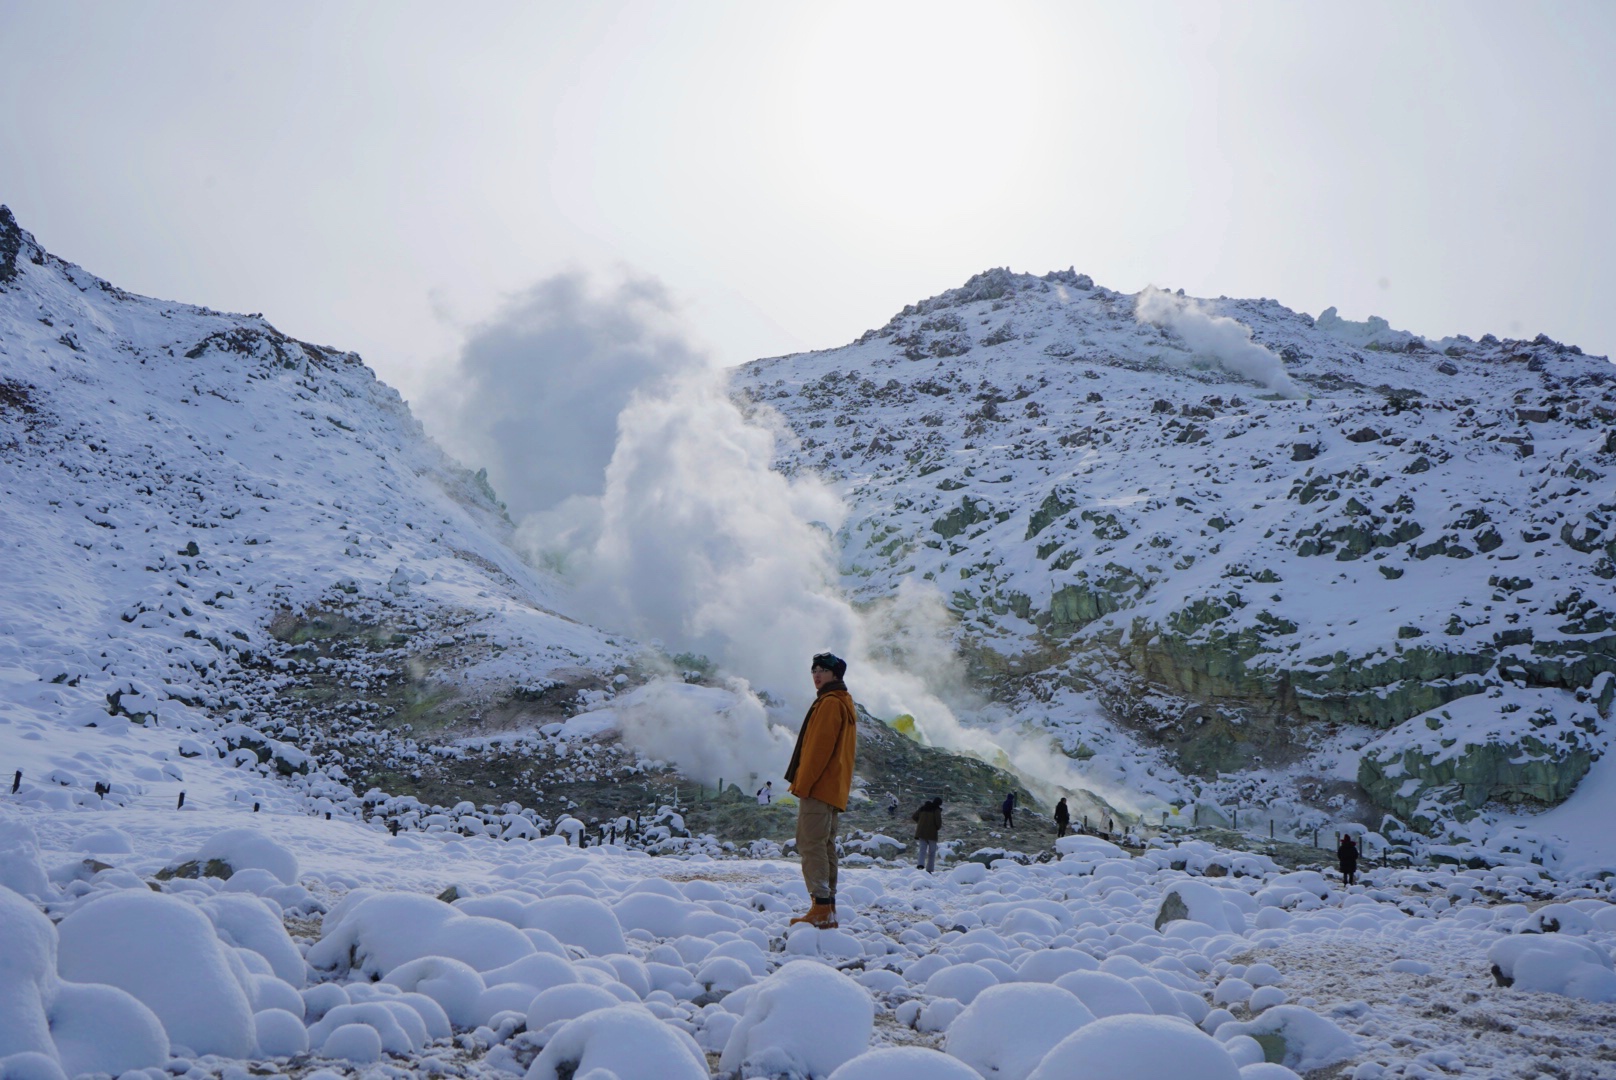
831, 663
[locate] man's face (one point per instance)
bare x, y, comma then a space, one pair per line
821, 677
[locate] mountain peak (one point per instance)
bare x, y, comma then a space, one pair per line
15, 243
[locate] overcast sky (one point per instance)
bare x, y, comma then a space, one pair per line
385, 177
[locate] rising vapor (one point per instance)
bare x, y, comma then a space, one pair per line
536, 394
1216, 336
634, 470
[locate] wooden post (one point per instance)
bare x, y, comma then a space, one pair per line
1270, 828
16, 781
181, 804
1234, 820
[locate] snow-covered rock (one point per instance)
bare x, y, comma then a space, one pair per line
1137, 1048
772, 1036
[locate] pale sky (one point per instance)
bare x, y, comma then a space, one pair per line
385, 176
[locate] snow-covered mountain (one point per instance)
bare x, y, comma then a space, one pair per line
1260, 538
239, 586
1299, 555
197, 508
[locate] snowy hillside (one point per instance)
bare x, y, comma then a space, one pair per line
1257, 538
197, 508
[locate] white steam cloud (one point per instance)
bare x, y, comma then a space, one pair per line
1223, 339
537, 392
708, 733
685, 535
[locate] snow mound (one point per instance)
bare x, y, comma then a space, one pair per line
627, 1042
577, 920
904, 1063
454, 987
1105, 994
384, 931
1008, 1029
772, 1037
249, 849
1137, 1048
1554, 964
249, 923
567, 1003
1298, 1038
165, 953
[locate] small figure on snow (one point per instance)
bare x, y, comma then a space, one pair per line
1063, 818
765, 794
1009, 808
928, 825
821, 775
1347, 856
892, 805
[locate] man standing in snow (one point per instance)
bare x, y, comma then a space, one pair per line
1009, 808
1063, 818
821, 775
928, 826
1347, 856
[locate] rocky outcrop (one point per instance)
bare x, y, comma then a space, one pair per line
1511, 744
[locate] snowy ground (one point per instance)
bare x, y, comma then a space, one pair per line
990, 966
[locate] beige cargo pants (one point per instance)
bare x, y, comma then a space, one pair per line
816, 843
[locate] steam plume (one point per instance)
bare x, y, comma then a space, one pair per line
538, 389
684, 534
1217, 336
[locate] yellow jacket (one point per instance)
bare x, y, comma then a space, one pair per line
822, 762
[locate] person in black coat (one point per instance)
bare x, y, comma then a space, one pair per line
1347, 856
1009, 808
1063, 818
928, 826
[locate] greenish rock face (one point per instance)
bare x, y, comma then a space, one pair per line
1383, 692
962, 517
1075, 606
1524, 771
1053, 507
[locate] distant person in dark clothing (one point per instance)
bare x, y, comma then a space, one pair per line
928, 825
1009, 808
1347, 856
1063, 819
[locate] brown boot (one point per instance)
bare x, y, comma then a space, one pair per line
821, 915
